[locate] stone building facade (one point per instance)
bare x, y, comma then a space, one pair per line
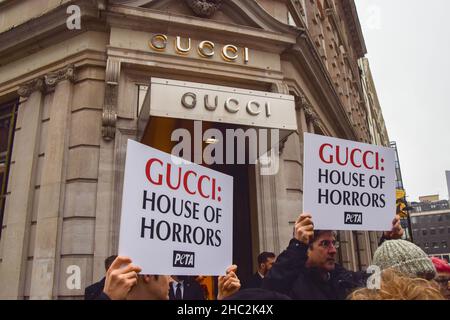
77, 93
375, 118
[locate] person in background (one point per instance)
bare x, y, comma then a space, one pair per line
265, 262
185, 288
94, 290
123, 282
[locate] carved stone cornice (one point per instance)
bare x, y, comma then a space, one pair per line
52, 78
204, 8
47, 82
303, 103
26, 89
310, 114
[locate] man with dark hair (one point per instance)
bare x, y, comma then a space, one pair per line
307, 269
94, 290
265, 262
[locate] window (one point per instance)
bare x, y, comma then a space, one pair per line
433, 231
414, 220
440, 218
424, 232
441, 230
8, 114
435, 245
426, 245
444, 244
447, 217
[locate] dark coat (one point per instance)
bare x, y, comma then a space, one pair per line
255, 281
192, 291
257, 294
290, 276
94, 290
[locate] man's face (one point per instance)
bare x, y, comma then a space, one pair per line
163, 287
156, 288
266, 266
322, 253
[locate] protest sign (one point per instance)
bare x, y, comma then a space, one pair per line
348, 185
177, 217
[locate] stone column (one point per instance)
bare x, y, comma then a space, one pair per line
104, 218
19, 203
301, 120
52, 185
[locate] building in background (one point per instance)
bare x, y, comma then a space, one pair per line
77, 91
430, 221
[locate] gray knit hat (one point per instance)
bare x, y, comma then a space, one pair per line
404, 257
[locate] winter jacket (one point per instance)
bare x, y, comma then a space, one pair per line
290, 276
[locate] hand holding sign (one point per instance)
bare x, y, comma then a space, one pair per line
396, 231
120, 280
304, 228
228, 284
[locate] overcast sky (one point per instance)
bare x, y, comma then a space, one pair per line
408, 44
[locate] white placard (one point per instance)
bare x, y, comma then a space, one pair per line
177, 217
348, 185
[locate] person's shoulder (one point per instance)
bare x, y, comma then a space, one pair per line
257, 276
349, 278
102, 296
92, 291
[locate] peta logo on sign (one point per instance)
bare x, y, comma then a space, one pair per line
352, 217
183, 259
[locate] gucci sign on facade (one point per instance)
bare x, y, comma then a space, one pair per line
231, 104
205, 102
205, 49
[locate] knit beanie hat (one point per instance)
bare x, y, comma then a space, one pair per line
404, 257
